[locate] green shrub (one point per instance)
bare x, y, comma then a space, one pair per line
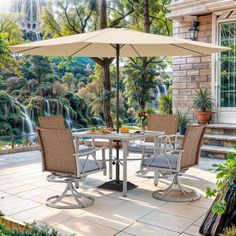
229, 231
33, 231
225, 174
165, 104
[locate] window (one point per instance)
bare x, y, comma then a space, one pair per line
228, 65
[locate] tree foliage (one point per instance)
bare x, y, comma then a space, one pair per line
9, 27
8, 64
139, 83
40, 67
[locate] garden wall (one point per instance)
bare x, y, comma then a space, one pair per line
191, 72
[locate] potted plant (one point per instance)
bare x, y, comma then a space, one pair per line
202, 103
225, 175
183, 121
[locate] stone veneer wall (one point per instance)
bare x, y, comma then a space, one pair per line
191, 72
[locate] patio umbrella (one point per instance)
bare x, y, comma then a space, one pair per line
116, 42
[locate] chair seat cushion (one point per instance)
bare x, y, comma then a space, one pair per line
137, 148
90, 165
160, 161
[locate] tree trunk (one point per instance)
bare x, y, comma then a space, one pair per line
107, 90
103, 24
146, 17
106, 70
146, 29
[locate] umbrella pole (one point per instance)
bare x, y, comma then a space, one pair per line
117, 110
117, 184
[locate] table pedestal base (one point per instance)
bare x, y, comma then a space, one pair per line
117, 186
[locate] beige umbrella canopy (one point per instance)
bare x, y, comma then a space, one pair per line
101, 44
117, 43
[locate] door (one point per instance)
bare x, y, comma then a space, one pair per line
227, 73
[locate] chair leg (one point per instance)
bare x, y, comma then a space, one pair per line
104, 161
179, 194
156, 176
82, 200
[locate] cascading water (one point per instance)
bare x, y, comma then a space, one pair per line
68, 117
27, 123
48, 109
158, 92
164, 86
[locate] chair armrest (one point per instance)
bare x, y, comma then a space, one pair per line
169, 150
90, 151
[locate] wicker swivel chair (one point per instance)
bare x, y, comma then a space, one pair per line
67, 166
177, 162
52, 122
163, 123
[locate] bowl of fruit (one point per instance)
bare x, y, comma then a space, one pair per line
124, 130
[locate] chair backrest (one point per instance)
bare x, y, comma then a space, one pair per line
52, 122
57, 150
164, 123
192, 145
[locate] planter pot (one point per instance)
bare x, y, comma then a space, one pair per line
13, 224
182, 130
203, 117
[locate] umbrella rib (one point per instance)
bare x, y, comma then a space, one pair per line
185, 48
80, 49
136, 51
28, 49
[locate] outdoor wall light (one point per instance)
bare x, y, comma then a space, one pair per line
193, 31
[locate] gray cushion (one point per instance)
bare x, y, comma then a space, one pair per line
84, 149
160, 161
91, 165
137, 148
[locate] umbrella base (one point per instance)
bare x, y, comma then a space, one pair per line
117, 185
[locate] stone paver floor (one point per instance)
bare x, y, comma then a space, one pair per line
23, 190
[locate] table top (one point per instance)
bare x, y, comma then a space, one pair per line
119, 136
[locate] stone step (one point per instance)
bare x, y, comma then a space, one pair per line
219, 140
222, 129
215, 151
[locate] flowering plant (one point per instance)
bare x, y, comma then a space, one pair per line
143, 115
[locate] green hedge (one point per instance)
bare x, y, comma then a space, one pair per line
33, 231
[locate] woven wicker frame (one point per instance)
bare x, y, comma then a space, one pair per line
192, 145
52, 122
58, 151
163, 123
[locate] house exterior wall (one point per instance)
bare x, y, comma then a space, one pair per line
191, 72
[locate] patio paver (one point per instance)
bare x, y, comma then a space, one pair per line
24, 189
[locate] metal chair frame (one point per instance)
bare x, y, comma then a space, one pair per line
72, 180
167, 141
190, 194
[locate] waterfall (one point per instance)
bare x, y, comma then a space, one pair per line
38, 36
158, 92
68, 117
165, 89
23, 126
28, 122
47, 106
58, 107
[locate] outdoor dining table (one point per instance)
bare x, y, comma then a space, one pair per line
125, 138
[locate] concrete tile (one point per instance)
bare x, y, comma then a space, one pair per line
166, 221
193, 230
183, 210
141, 229
83, 227
107, 218
43, 214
